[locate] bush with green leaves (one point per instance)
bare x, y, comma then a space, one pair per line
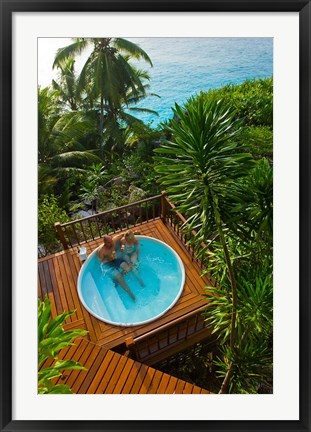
49, 212
52, 338
257, 140
252, 100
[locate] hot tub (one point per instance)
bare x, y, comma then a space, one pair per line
162, 272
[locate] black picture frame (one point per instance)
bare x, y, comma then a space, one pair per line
8, 7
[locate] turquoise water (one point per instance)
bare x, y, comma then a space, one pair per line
162, 272
183, 67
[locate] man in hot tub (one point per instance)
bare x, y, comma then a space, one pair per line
107, 254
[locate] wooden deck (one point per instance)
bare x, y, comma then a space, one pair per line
111, 373
58, 276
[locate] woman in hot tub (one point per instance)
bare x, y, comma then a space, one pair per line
117, 266
129, 247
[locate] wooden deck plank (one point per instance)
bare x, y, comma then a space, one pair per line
53, 306
55, 291
204, 391
92, 372
118, 372
139, 379
188, 388
147, 381
49, 285
66, 355
196, 390
100, 372
155, 382
124, 376
65, 275
163, 384
180, 387
90, 364
60, 285
83, 361
131, 378
109, 374
78, 357
72, 278
171, 385
41, 278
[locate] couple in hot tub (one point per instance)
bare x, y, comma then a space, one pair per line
120, 256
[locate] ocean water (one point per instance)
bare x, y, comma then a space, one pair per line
183, 67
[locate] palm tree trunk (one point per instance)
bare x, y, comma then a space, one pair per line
231, 274
101, 128
233, 286
225, 384
226, 381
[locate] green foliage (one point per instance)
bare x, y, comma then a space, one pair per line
227, 199
110, 84
252, 356
252, 366
252, 100
251, 205
51, 339
204, 156
49, 212
257, 140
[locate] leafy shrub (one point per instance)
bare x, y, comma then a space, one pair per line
256, 140
253, 100
51, 339
49, 212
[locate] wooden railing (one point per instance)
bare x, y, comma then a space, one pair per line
79, 231
155, 344
178, 223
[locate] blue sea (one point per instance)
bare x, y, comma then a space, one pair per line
183, 67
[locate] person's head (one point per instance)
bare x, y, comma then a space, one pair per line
108, 241
129, 235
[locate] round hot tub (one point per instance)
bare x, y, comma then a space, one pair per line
162, 272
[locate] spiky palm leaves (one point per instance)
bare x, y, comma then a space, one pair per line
200, 168
107, 78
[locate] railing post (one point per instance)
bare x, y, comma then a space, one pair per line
61, 236
163, 206
131, 347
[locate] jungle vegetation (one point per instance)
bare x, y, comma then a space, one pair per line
93, 153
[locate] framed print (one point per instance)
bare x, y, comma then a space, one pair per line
64, 152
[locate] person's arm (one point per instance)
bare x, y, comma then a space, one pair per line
137, 248
100, 253
118, 239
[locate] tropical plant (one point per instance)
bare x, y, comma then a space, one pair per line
66, 85
107, 77
52, 338
61, 142
258, 140
250, 206
204, 155
252, 100
251, 359
49, 212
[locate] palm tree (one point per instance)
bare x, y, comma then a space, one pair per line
61, 141
107, 72
66, 84
197, 168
